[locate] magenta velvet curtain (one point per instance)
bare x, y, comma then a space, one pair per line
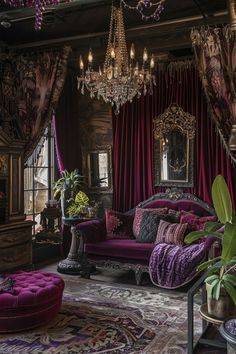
133, 139
132, 154
67, 127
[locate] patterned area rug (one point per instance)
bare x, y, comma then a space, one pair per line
98, 317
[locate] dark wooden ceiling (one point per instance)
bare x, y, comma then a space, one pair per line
84, 23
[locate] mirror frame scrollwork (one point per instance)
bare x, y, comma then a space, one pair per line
173, 118
87, 168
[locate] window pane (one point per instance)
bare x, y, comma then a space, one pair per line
103, 168
41, 178
40, 198
37, 185
28, 178
38, 227
28, 202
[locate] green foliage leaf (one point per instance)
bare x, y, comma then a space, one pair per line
212, 286
206, 264
216, 290
210, 279
82, 199
230, 278
70, 181
229, 242
212, 226
193, 236
221, 199
230, 290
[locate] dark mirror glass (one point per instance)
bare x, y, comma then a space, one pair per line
174, 156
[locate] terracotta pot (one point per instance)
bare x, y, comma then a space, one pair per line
222, 308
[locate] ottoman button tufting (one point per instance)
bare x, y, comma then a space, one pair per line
34, 299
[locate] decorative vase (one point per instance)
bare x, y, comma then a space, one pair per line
222, 308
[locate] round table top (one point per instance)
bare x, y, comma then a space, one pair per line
74, 221
205, 315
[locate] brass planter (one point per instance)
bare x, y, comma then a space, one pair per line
222, 308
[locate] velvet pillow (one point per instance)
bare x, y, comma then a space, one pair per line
118, 225
149, 226
171, 233
175, 214
196, 222
139, 216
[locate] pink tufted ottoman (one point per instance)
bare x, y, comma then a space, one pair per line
34, 300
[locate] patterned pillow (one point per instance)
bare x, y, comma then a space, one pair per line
196, 222
171, 233
175, 214
149, 226
139, 216
6, 285
118, 225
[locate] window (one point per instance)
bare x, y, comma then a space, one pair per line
38, 178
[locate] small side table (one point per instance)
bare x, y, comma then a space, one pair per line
74, 262
208, 322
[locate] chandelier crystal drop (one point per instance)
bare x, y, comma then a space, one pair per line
121, 78
147, 8
39, 5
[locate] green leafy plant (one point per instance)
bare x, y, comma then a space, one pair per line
219, 269
81, 202
69, 183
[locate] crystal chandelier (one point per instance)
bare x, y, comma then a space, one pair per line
147, 8
39, 5
120, 79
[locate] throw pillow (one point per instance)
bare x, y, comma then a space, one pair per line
149, 226
196, 222
175, 214
171, 233
139, 216
6, 285
118, 225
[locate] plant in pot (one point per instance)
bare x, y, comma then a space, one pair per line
221, 276
66, 188
79, 207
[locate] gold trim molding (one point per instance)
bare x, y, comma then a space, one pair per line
174, 117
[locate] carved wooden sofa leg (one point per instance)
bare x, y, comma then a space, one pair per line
138, 275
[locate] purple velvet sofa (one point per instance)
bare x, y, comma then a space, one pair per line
128, 254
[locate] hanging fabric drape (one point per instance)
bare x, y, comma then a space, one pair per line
67, 127
30, 88
133, 139
215, 53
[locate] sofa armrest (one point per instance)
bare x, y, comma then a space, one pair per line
92, 231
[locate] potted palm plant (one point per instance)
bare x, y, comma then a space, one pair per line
66, 189
221, 279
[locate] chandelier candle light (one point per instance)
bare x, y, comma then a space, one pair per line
121, 79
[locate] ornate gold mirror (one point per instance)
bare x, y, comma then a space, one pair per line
174, 133
97, 166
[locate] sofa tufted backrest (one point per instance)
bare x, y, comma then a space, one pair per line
181, 201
